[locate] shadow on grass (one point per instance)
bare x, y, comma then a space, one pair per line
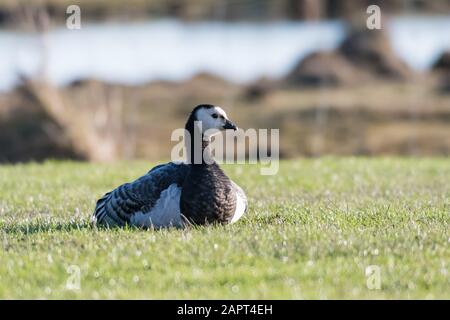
33, 227
38, 226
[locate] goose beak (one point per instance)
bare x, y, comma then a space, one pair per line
229, 125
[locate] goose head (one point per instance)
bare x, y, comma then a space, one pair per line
213, 119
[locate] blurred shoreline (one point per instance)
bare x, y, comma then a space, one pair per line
116, 90
170, 50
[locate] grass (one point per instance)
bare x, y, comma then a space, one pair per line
311, 232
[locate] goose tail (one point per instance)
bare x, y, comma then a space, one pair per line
100, 213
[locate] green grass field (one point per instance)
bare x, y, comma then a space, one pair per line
311, 232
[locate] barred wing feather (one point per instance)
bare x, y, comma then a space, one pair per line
116, 208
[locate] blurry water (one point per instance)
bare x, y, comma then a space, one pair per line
171, 50
419, 41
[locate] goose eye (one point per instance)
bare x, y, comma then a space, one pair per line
215, 116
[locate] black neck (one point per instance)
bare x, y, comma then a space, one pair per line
195, 151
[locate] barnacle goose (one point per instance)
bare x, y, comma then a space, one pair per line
178, 194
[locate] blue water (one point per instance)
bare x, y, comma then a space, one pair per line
172, 50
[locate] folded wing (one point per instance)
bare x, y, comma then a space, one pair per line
125, 204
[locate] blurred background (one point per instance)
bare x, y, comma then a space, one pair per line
116, 88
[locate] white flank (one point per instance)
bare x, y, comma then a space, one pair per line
165, 212
240, 208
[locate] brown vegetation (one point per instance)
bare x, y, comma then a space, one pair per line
371, 51
374, 117
323, 69
443, 63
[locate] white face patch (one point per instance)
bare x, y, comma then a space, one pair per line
212, 118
